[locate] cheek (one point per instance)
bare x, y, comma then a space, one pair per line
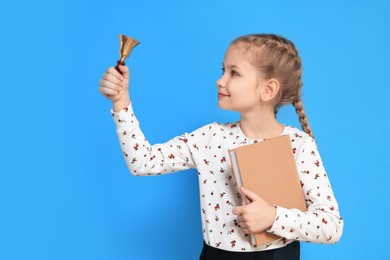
245, 93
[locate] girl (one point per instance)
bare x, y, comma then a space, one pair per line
261, 72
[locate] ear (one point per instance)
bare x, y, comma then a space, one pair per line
270, 89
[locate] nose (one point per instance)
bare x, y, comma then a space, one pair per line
220, 83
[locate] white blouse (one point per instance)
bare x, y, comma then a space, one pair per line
206, 149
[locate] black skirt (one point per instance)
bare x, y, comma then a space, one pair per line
289, 252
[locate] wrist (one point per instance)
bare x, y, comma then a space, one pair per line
121, 103
272, 217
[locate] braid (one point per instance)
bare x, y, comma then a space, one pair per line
302, 116
276, 57
282, 44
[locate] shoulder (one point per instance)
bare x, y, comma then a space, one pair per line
296, 133
223, 127
212, 130
217, 127
300, 139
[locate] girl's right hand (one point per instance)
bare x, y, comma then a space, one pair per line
115, 86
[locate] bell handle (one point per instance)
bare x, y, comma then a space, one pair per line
119, 62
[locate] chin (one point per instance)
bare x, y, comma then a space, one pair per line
221, 106
224, 107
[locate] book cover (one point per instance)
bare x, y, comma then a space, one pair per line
268, 168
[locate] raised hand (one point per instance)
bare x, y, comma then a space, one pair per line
115, 86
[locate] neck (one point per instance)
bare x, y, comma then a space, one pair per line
260, 124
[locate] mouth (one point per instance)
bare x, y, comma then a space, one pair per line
220, 95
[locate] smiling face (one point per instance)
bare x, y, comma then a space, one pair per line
240, 87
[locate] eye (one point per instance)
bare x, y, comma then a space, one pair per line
223, 70
234, 73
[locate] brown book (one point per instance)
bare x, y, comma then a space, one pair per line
268, 168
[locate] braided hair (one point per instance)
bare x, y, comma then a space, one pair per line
276, 57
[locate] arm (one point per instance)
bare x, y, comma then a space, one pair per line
141, 157
145, 159
321, 223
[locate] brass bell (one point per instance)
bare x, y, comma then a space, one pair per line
126, 46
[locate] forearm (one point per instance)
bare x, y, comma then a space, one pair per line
143, 158
321, 223
315, 226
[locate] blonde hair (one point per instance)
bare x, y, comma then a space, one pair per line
276, 57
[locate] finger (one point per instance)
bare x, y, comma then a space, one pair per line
125, 71
241, 218
103, 93
237, 210
107, 92
111, 78
246, 231
115, 73
243, 225
249, 194
107, 84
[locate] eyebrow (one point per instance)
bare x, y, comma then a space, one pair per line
230, 66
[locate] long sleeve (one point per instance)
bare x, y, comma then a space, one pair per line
145, 159
206, 149
321, 223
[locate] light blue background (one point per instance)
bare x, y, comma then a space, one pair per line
65, 191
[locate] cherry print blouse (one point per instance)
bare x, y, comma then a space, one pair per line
206, 149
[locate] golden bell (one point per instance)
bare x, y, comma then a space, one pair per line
126, 46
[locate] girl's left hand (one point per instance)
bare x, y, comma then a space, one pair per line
257, 216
